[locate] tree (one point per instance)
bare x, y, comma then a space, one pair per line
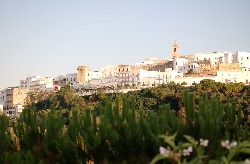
190, 71
194, 83
83, 88
153, 85
101, 95
127, 85
184, 83
67, 86
119, 86
163, 85
134, 85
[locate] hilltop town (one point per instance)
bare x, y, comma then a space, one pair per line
186, 70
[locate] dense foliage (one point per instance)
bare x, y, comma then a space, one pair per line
116, 132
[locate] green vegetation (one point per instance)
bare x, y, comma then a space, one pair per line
184, 83
130, 128
190, 71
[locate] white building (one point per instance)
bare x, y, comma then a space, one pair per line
215, 58
191, 80
71, 78
136, 77
148, 81
167, 76
14, 112
243, 58
150, 61
59, 78
3, 97
107, 81
36, 82
235, 76
240, 57
94, 75
110, 70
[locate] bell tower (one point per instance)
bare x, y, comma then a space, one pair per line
175, 50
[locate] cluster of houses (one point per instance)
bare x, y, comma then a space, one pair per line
223, 67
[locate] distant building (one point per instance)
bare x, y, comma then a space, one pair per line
234, 76
36, 82
71, 78
175, 50
95, 74
3, 97
83, 74
109, 70
59, 80
167, 76
15, 101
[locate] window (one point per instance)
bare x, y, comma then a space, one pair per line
176, 63
71, 79
221, 74
163, 77
74, 79
241, 58
246, 81
228, 74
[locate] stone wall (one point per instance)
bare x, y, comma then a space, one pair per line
161, 66
227, 67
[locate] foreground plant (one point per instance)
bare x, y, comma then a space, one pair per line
178, 152
234, 150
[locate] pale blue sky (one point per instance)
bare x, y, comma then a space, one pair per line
53, 37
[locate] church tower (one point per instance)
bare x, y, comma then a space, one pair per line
175, 50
